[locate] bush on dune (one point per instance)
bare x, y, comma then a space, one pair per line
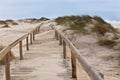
80, 22
5, 26
2, 22
85, 24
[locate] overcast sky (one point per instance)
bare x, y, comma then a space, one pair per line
16, 9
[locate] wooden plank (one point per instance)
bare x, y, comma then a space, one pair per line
27, 43
73, 64
7, 66
64, 49
21, 50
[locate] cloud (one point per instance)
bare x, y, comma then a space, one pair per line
36, 8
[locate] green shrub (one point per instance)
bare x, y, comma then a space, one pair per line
99, 19
9, 20
79, 22
103, 28
109, 43
2, 22
79, 29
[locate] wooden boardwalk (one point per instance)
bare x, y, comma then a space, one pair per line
43, 61
45, 58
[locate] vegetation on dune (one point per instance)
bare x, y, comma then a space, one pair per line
43, 19
80, 23
5, 26
9, 21
109, 43
2, 22
86, 24
34, 20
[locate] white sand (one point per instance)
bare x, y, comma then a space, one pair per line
101, 58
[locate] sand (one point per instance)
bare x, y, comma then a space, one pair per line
101, 58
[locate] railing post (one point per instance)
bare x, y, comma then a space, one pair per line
27, 44
73, 64
64, 49
21, 50
30, 38
33, 35
56, 35
38, 30
60, 40
7, 66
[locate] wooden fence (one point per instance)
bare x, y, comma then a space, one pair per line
5, 53
75, 54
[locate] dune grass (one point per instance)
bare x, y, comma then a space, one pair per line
78, 23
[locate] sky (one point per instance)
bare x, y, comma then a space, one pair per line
18, 9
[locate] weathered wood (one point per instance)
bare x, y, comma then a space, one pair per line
30, 38
33, 35
5, 52
21, 50
7, 66
57, 35
38, 30
11, 45
73, 64
94, 75
27, 43
60, 40
64, 50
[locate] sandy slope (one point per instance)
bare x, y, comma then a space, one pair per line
101, 58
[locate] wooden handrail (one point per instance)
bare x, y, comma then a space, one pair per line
94, 75
5, 53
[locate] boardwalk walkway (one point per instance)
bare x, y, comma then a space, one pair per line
44, 61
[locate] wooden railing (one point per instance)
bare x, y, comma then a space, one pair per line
75, 54
5, 53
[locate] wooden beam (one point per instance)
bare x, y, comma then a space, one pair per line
73, 64
27, 43
60, 40
56, 35
33, 35
30, 38
7, 66
21, 50
38, 30
93, 74
64, 50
